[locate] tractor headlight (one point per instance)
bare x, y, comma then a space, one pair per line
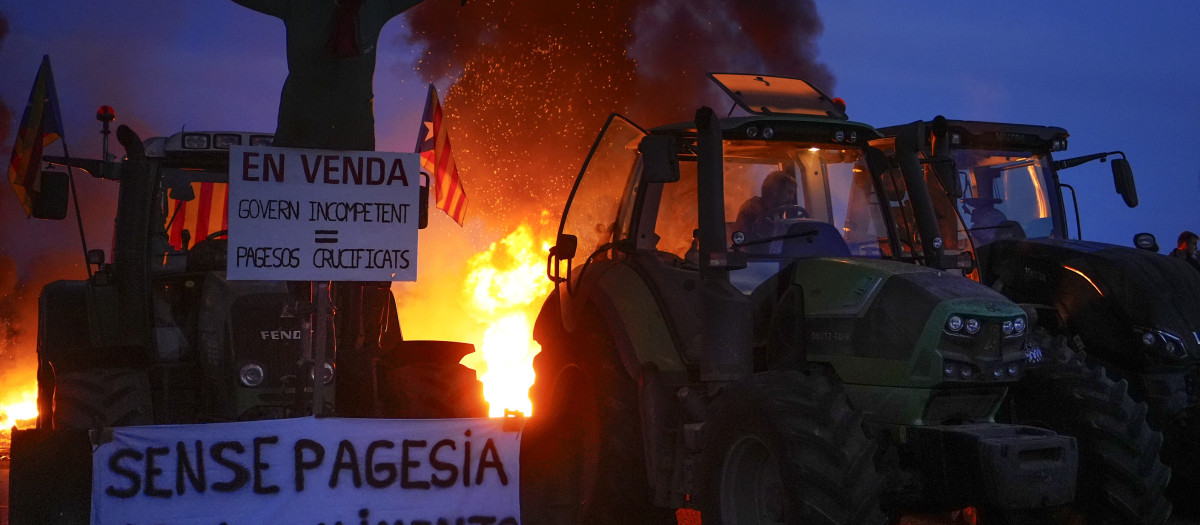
1019, 325
323, 373
251, 375
1007, 327
972, 326
955, 323
1165, 342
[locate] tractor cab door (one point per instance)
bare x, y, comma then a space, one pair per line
599, 211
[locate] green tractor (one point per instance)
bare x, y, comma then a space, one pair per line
994, 196
728, 334
158, 335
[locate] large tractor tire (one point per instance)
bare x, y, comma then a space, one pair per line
1121, 478
431, 391
582, 456
102, 397
1181, 450
787, 447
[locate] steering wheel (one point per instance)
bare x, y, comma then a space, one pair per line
765, 226
790, 211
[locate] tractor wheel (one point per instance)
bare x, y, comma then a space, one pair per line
582, 458
787, 447
1181, 450
1121, 479
431, 391
104, 397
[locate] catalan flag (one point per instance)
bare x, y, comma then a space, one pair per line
433, 143
202, 216
41, 126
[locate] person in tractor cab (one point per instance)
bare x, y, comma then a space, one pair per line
1186, 249
776, 201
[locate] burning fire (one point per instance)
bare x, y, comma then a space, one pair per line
507, 284
19, 410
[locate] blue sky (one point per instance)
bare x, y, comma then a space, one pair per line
1116, 78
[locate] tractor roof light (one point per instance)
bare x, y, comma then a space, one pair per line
1007, 327
1019, 325
1148, 339
839, 136
752, 132
768, 132
196, 141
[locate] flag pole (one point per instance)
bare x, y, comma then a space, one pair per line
78, 215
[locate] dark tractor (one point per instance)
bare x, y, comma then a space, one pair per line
158, 335
987, 199
728, 335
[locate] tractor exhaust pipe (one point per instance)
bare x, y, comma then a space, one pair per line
727, 339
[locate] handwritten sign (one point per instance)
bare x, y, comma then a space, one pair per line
310, 471
322, 215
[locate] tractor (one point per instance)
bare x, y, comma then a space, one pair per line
731, 332
158, 335
996, 200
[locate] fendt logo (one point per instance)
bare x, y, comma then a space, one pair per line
276, 335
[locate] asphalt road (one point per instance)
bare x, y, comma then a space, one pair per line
4, 504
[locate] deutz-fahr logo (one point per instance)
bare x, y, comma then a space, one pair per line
276, 335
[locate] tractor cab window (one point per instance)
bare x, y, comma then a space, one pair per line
193, 213
802, 200
591, 214
1004, 194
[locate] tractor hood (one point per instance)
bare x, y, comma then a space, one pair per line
1101, 287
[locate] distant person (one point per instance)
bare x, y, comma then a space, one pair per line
1186, 249
777, 199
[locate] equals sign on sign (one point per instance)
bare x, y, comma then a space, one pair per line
326, 236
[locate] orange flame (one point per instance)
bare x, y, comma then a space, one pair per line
507, 284
19, 409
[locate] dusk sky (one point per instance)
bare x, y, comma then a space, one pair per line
1115, 77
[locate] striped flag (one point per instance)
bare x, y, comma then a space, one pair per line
433, 143
41, 126
201, 216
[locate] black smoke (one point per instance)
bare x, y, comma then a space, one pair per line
533, 81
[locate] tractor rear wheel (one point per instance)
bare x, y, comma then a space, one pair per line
102, 397
787, 447
582, 457
1121, 479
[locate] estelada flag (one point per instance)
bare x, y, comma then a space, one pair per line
433, 143
41, 125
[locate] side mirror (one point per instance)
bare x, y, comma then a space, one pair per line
1123, 178
50, 201
947, 173
182, 192
565, 246
1145, 241
660, 158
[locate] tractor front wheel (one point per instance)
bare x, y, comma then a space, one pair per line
1121, 479
787, 447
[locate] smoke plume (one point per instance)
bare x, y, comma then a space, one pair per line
533, 81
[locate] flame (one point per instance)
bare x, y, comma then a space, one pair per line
19, 410
506, 284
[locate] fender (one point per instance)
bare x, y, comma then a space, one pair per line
629, 310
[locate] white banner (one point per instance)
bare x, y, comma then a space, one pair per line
310, 471
322, 215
